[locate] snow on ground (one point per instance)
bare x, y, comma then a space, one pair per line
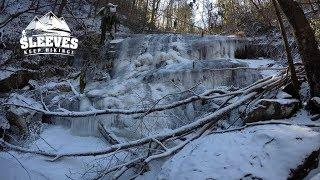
162, 55
116, 41
263, 63
315, 177
38, 167
267, 152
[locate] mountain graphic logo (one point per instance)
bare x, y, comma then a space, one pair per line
48, 35
49, 23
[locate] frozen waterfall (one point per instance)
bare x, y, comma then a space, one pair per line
148, 67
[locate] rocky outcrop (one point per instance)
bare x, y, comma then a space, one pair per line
15, 79
51, 86
266, 109
4, 124
5, 56
311, 162
21, 118
314, 105
316, 101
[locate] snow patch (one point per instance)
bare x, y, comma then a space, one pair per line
267, 152
61, 140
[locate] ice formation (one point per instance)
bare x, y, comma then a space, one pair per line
149, 67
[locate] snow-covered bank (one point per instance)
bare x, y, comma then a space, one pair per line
55, 139
266, 152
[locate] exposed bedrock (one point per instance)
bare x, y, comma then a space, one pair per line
267, 109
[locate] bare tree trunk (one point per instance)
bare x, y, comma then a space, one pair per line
294, 78
133, 7
96, 6
146, 6
61, 7
146, 12
155, 7
169, 16
306, 41
153, 12
261, 12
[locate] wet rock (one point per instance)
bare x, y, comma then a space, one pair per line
69, 104
21, 118
5, 56
217, 47
311, 162
4, 124
267, 109
314, 106
53, 86
15, 79
316, 101
27, 64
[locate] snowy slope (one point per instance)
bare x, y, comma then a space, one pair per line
267, 152
59, 139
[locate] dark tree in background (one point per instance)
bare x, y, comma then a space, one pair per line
307, 44
61, 7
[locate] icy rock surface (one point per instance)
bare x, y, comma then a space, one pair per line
266, 152
148, 67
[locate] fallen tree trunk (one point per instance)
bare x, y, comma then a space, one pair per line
247, 95
203, 96
189, 132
